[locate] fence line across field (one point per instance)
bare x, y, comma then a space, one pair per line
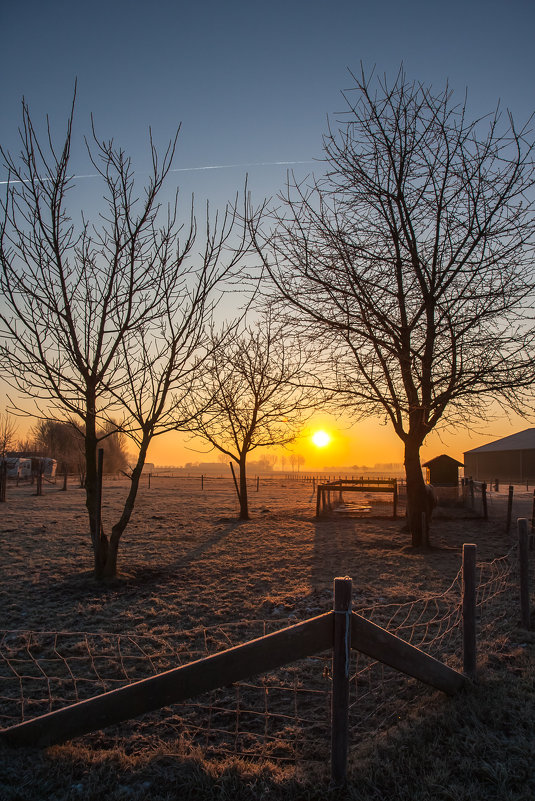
284, 714
481, 498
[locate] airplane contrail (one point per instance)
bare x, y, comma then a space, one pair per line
195, 169
249, 164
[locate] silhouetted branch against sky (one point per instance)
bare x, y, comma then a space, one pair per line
412, 258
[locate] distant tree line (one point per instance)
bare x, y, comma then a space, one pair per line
64, 442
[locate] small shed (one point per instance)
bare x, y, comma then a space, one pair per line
443, 471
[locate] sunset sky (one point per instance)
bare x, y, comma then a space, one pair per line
252, 84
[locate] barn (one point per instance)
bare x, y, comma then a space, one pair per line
510, 459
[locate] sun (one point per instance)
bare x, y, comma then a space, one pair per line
320, 439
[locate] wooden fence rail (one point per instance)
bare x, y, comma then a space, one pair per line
379, 644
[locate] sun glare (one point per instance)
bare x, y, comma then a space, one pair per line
320, 439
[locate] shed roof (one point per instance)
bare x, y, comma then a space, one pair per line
522, 441
444, 459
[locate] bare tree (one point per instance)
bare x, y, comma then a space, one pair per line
8, 433
26, 445
296, 460
104, 322
254, 394
61, 440
412, 261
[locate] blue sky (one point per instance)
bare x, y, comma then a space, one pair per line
250, 82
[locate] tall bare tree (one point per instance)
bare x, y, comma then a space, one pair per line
104, 321
412, 260
255, 393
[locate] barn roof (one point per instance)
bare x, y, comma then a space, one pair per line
522, 441
442, 459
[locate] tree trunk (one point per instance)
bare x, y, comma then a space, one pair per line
98, 538
244, 503
417, 504
109, 569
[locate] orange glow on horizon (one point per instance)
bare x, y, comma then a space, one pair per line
366, 443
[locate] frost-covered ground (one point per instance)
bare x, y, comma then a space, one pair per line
186, 562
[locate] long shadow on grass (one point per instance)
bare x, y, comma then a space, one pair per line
341, 544
135, 580
191, 556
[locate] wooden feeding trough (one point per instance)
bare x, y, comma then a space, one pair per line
326, 492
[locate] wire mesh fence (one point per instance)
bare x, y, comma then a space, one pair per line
283, 715
498, 501
267, 717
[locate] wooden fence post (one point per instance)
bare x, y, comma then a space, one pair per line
202, 482
235, 482
395, 499
3, 481
340, 675
533, 513
39, 489
469, 610
65, 475
425, 529
523, 555
484, 499
509, 509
